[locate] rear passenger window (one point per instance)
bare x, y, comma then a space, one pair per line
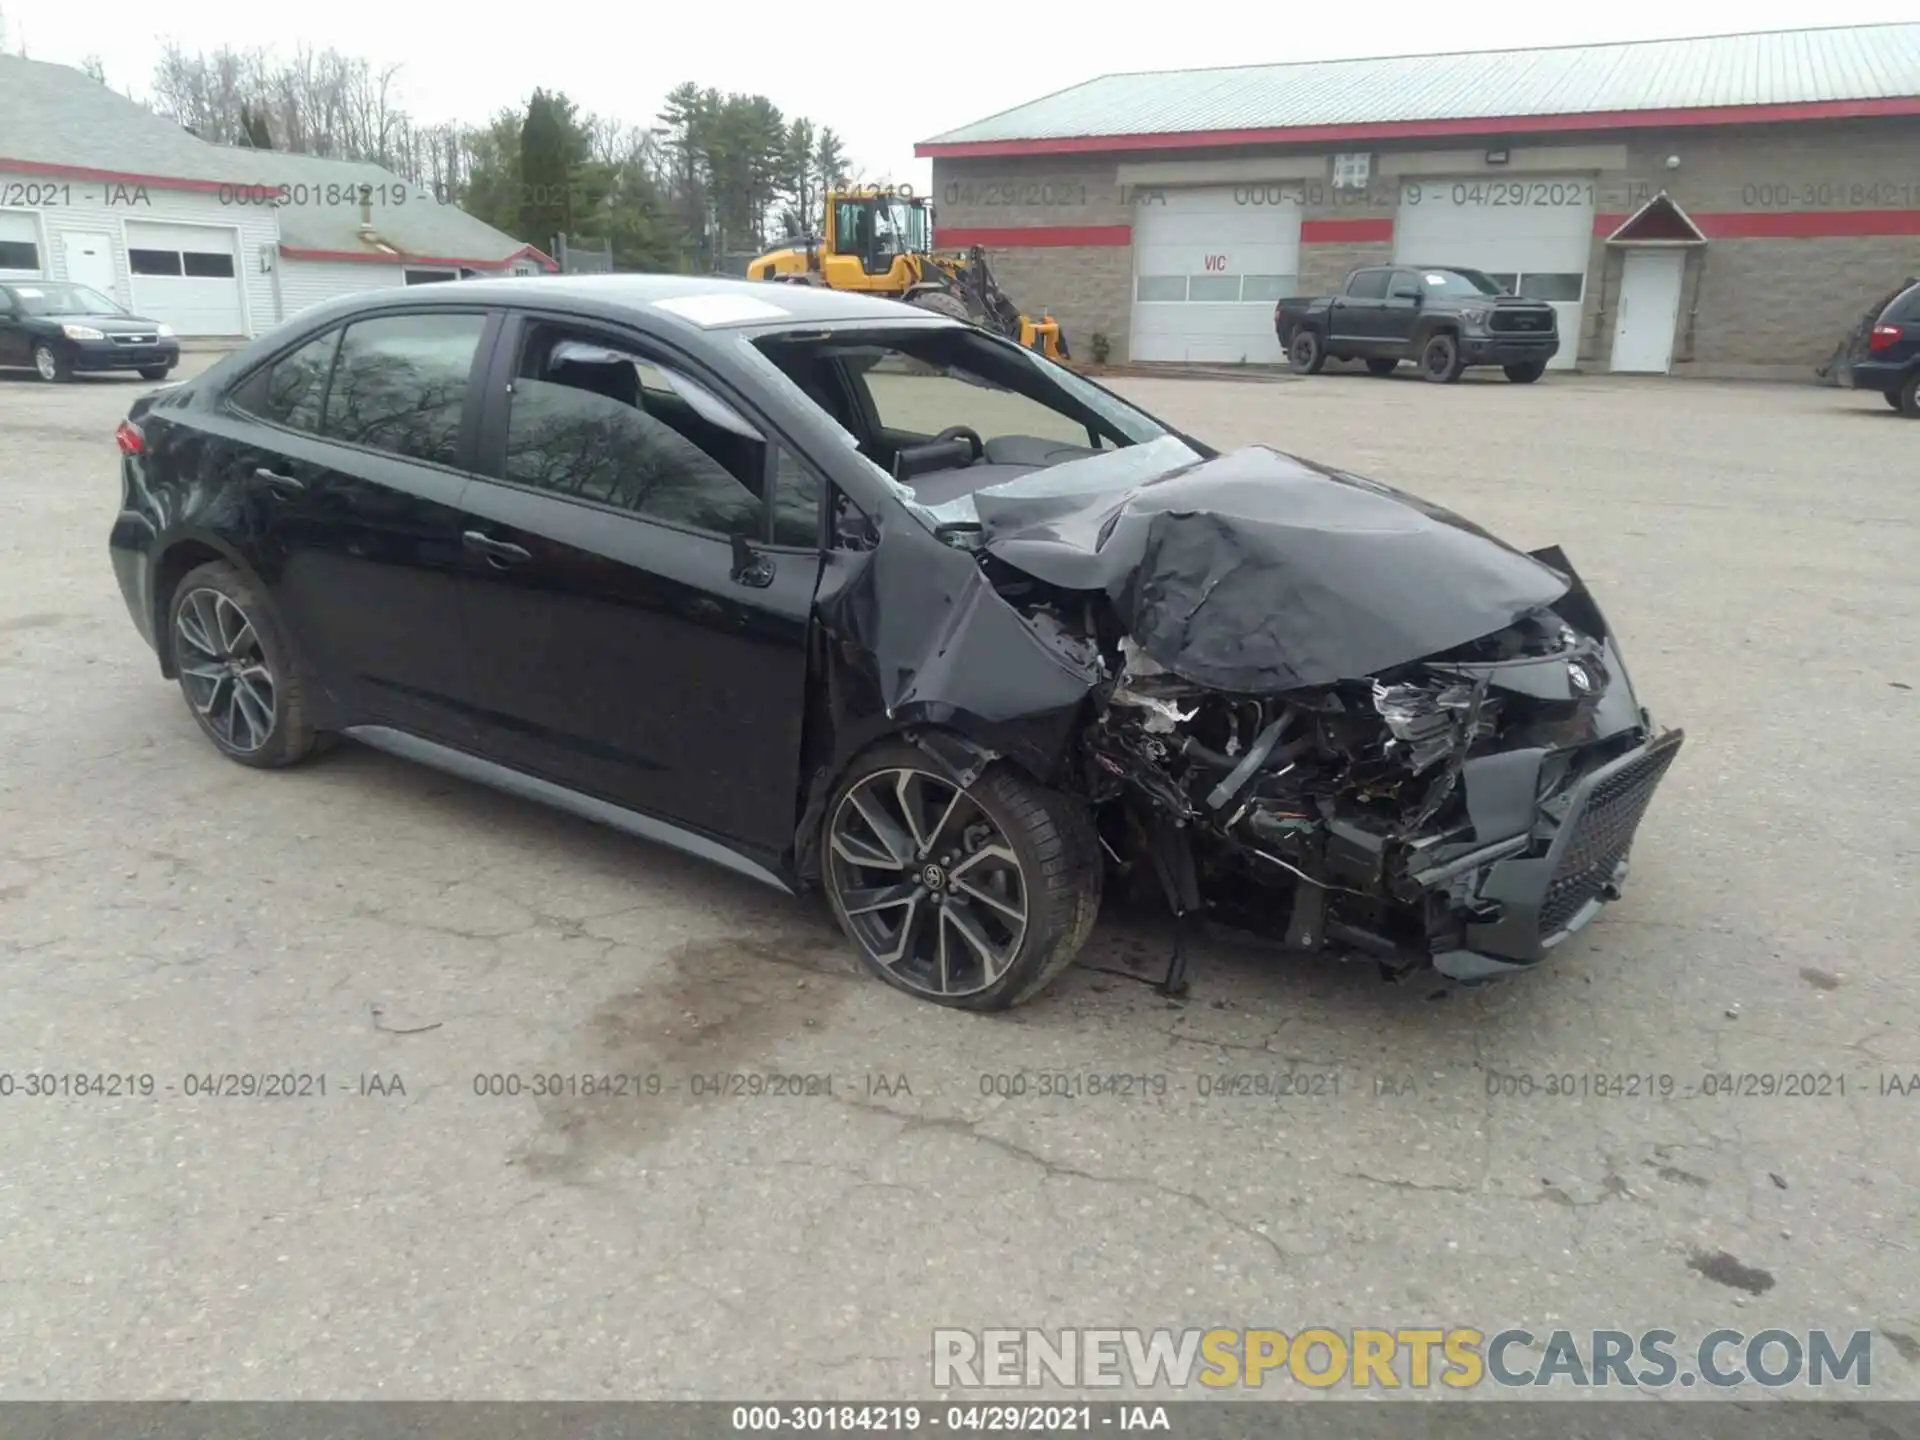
291, 390
400, 384
1368, 285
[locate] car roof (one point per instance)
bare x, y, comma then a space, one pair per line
701, 302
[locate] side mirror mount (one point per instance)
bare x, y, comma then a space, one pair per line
1409, 292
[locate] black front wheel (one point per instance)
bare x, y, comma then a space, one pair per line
155, 372
973, 897
1440, 362
51, 365
1525, 374
1910, 396
1306, 354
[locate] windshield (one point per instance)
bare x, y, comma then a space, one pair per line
62, 299
1462, 283
895, 389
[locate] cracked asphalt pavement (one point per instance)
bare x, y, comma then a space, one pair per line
409, 938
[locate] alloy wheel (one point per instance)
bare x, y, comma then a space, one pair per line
224, 670
45, 363
929, 885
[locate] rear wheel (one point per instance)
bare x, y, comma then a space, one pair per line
1306, 354
51, 365
1382, 366
1910, 396
973, 898
1525, 374
1440, 362
235, 669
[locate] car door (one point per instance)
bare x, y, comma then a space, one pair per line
1399, 312
637, 613
357, 456
1353, 322
13, 330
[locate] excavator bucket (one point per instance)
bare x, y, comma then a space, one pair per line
1044, 335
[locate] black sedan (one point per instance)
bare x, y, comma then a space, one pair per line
57, 329
845, 595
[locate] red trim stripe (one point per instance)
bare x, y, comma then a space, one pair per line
1019, 236
1355, 230
525, 252
1788, 224
116, 177
1502, 125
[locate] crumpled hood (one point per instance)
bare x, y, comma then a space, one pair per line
1255, 572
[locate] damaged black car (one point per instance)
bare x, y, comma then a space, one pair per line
852, 597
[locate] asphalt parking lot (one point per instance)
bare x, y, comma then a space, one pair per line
166, 913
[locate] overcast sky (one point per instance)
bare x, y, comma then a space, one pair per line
928, 69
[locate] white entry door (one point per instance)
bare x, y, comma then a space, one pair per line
89, 257
1649, 305
1208, 265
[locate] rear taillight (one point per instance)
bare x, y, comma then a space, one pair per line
129, 439
1883, 336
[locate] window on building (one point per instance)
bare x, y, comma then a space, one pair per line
400, 384
155, 262
1268, 288
19, 255
1161, 288
1565, 288
205, 265
1213, 289
429, 277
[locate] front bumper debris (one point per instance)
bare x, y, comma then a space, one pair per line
1531, 894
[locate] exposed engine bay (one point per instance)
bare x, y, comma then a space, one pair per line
1261, 748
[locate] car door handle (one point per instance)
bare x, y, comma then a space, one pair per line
278, 481
498, 552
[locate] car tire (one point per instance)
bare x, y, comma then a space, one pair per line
1440, 360
50, 365
1910, 396
235, 669
1525, 374
1892, 397
155, 372
984, 925
1382, 366
1305, 353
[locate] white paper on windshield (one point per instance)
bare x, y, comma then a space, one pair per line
721, 309
30, 294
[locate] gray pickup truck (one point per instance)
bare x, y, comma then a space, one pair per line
1441, 317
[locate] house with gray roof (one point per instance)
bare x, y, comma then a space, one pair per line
214, 240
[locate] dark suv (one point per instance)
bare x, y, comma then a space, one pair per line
1892, 362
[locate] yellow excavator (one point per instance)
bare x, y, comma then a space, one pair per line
878, 242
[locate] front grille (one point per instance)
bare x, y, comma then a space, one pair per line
1603, 829
1531, 322
134, 339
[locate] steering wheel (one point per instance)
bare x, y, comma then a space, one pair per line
968, 434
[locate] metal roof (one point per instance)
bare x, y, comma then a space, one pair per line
55, 118
1776, 68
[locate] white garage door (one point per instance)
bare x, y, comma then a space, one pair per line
186, 275
1207, 268
19, 246
1531, 233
